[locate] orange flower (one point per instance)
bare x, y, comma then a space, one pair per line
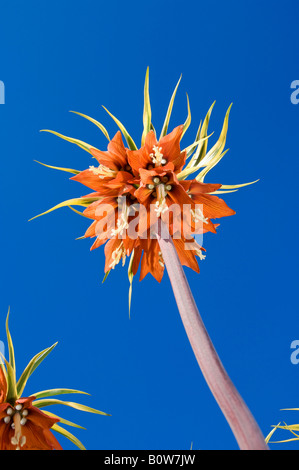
156, 154
111, 177
151, 181
23, 426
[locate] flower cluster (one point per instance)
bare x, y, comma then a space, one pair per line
23, 423
137, 186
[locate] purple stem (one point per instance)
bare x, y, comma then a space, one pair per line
236, 412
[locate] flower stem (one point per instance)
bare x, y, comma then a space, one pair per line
236, 412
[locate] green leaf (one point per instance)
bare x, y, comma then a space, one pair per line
68, 435
56, 391
11, 381
190, 149
131, 277
62, 420
80, 213
286, 440
224, 192
106, 275
147, 112
289, 427
201, 176
202, 147
98, 124
80, 201
77, 406
267, 439
12, 361
188, 120
127, 136
80, 143
169, 111
68, 170
30, 368
216, 153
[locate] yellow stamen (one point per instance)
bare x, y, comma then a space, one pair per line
161, 205
18, 439
117, 255
103, 171
157, 156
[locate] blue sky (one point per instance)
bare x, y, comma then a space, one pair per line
78, 56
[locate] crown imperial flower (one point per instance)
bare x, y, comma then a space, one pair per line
24, 424
156, 177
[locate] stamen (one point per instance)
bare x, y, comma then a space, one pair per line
122, 223
117, 255
150, 186
9, 411
156, 180
18, 407
18, 439
7, 419
200, 254
102, 171
25, 413
165, 179
161, 260
23, 421
163, 161
168, 187
198, 216
157, 156
161, 205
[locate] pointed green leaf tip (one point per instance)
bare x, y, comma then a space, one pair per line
67, 170
10, 366
69, 436
80, 143
32, 365
96, 123
56, 391
79, 201
169, 111
127, 136
188, 120
76, 406
147, 113
130, 277
10, 344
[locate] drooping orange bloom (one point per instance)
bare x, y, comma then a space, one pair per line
23, 425
111, 177
138, 186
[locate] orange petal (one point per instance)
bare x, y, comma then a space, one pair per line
187, 257
213, 206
